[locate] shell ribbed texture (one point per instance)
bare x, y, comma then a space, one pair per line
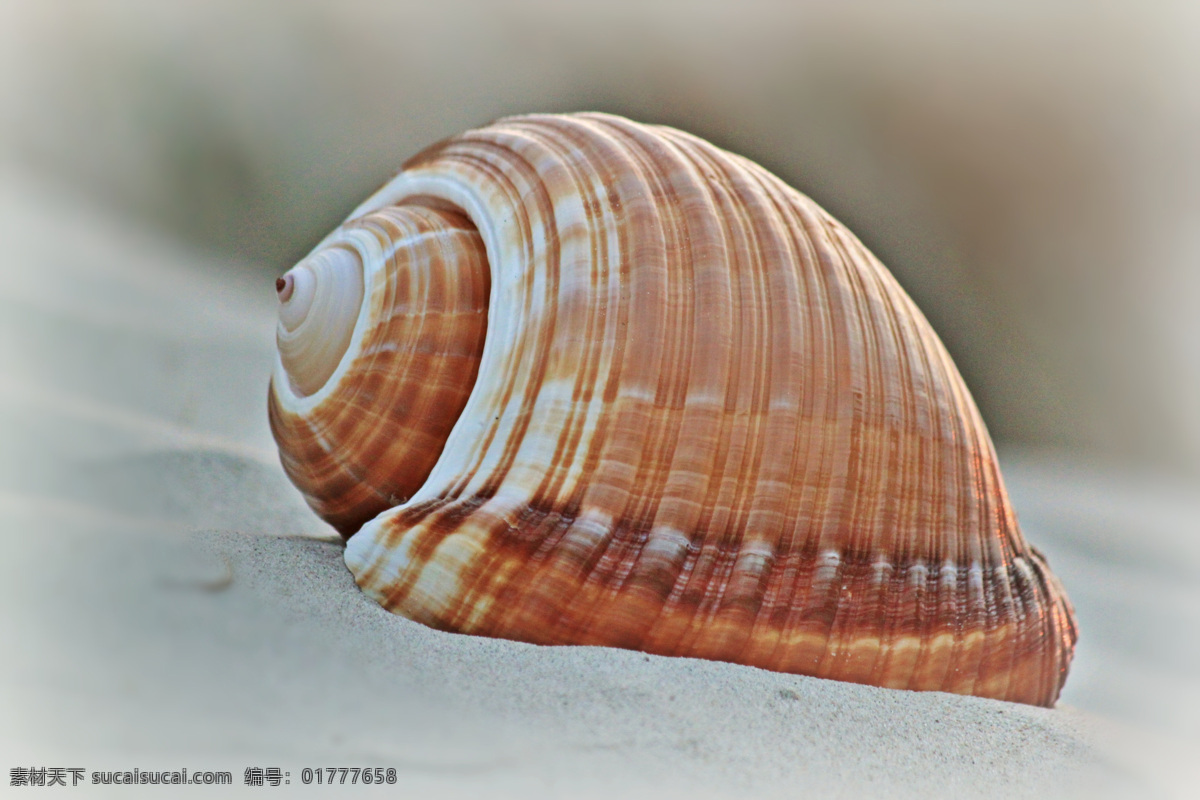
706, 422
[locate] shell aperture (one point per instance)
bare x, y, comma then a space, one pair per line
703, 420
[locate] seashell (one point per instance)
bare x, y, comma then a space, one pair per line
578, 380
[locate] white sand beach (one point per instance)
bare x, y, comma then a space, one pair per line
168, 601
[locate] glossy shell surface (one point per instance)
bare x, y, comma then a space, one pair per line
612, 385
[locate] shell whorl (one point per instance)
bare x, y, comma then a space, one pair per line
366, 436
705, 421
319, 301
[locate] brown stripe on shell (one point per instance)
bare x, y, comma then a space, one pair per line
706, 422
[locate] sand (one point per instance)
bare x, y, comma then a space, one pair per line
168, 601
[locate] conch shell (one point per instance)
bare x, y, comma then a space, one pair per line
578, 380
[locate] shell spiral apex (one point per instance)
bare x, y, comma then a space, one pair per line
578, 380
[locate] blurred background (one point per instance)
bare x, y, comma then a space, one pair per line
1029, 171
